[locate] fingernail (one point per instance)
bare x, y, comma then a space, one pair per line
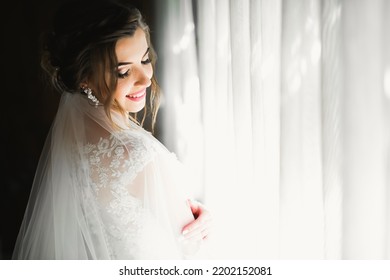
185, 231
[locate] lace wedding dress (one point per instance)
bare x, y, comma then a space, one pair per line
104, 193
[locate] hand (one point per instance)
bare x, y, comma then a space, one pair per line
199, 229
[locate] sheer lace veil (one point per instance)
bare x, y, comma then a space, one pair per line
102, 192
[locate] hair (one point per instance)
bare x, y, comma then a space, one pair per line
81, 47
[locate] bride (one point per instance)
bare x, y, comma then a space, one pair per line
105, 188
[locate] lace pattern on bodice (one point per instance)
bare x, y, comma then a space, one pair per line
114, 163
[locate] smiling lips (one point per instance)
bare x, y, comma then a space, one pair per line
137, 96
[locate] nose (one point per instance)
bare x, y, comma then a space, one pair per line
143, 76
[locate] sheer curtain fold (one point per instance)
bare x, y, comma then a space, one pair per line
265, 27
293, 106
301, 171
181, 106
364, 171
386, 85
331, 102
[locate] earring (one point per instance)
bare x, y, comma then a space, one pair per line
93, 98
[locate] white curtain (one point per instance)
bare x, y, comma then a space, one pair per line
282, 110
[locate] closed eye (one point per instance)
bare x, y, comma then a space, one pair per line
146, 61
124, 75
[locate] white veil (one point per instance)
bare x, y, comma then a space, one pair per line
104, 193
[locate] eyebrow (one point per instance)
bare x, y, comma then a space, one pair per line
126, 63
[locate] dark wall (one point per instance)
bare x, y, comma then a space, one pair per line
28, 106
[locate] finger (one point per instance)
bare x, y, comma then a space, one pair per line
199, 222
197, 231
201, 235
195, 207
205, 234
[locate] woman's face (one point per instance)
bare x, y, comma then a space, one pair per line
134, 71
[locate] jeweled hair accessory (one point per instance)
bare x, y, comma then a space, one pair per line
92, 97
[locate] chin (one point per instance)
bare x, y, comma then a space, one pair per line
135, 109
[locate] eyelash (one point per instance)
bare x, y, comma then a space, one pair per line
146, 61
127, 73
123, 75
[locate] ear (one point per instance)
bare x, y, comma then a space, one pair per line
83, 85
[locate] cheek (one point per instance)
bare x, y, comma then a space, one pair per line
122, 89
149, 71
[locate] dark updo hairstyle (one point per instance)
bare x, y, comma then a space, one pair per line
81, 47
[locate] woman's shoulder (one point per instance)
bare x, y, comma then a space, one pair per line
136, 138
119, 155
130, 142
